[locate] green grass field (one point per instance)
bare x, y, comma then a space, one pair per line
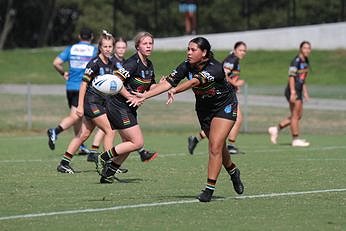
159, 195
285, 188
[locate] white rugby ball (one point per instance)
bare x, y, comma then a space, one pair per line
107, 84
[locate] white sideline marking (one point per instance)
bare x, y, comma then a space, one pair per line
270, 195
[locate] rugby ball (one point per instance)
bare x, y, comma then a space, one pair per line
107, 84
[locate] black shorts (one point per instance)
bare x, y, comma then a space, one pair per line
94, 105
120, 115
228, 112
72, 98
298, 92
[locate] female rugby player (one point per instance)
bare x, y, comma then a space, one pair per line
295, 91
138, 76
118, 60
91, 103
231, 67
216, 107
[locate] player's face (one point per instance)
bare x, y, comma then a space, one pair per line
306, 49
145, 46
194, 53
120, 49
240, 51
107, 47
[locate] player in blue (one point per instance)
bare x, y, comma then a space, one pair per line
295, 91
77, 56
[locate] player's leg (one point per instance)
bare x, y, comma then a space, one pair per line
232, 136
297, 112
83, 134
217, 135
192, 141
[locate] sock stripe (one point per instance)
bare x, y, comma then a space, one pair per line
211, 187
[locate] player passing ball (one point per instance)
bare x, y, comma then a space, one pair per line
216, 107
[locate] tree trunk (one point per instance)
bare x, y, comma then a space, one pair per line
8, 24
47, 23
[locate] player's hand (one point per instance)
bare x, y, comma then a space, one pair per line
136, 100
171, 94
80, 111
306, 97
293, 97
66, 75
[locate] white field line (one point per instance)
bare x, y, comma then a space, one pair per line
203, 153
121, 207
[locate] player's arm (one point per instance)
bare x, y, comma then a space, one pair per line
81, 96
306, 92
292, 73
141, 97
231, 78
292, 88
180, 88
58, 65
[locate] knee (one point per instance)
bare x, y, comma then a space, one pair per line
84, 135
215, 149
138, 144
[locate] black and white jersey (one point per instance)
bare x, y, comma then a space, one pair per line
214, 92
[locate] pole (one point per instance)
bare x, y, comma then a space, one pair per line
29, 106
246, 109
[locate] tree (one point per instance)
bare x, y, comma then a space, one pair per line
8, 24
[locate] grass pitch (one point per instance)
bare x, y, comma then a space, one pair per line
159, 195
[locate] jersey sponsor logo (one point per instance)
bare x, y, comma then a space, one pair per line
190, 75
205, 93
124, 72
119, 66
80, 55
88, 71
228, 109
102, 71
82, 50
174, 72
207, 76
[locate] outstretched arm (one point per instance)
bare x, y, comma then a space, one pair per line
180, 88
158, 89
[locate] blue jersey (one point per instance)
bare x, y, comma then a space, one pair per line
78, 55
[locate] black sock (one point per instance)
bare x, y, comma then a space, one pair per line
58, 129
141, 151
231, 169
107, 155
66, 159
210, 185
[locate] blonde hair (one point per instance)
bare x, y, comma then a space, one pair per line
105, 36
140, 35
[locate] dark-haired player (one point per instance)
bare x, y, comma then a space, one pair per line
231, 67
295, 91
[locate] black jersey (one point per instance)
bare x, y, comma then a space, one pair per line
213, 92
94, 68
231, 63
137, 76
298, 70
117, 62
